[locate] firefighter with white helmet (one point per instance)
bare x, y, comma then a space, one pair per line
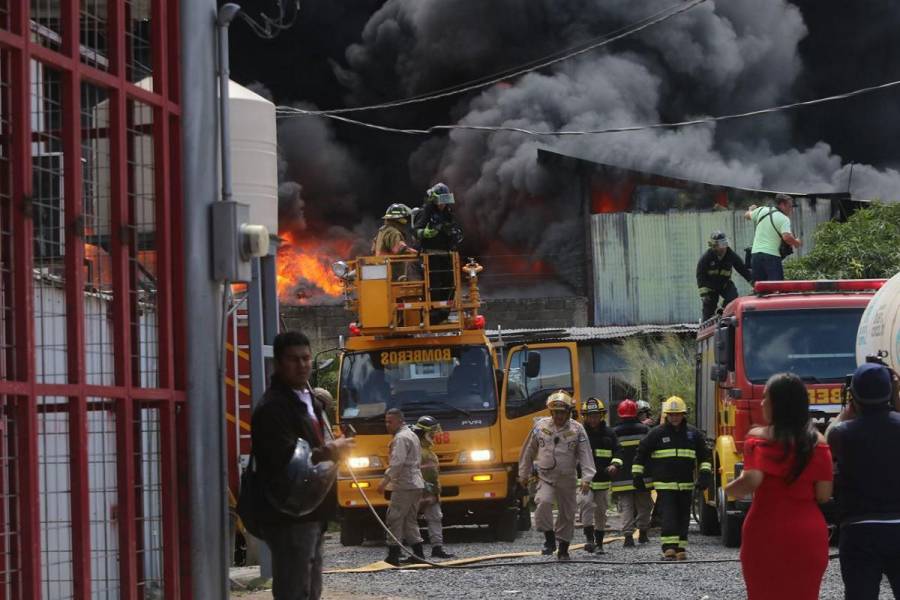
673, 450
554, 449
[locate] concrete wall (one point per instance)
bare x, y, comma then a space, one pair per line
323, 324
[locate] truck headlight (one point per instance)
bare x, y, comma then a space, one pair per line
364, 462
476, 456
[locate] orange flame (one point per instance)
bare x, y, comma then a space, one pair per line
308, 262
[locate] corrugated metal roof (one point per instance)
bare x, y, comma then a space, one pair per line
645, 263
581, 334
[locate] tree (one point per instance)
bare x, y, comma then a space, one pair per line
866, 246
667, 364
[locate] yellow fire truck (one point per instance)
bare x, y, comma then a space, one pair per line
418, 344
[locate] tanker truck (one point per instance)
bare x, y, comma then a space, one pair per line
879, 327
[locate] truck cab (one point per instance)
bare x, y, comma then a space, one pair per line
803, 327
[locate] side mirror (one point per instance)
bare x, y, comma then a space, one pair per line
498, 379
533, 365
724, 346
718, 373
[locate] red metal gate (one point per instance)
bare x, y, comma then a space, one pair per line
91, 397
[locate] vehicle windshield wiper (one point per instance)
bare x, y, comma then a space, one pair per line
438, 403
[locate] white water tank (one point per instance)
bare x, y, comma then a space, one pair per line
879, 328
254, 155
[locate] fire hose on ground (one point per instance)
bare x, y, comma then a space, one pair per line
422, 562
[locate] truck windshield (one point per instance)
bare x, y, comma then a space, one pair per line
818, 345
452, 380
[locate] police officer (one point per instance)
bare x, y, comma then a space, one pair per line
607, 460
674, 449
403, 478
555, 447
634, 505
714, 274
390, 238
866, 446
430, 505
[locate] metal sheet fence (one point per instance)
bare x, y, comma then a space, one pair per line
91, 403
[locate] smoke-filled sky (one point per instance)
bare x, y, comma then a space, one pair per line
721, 57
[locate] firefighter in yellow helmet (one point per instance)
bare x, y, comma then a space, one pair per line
390, 238
554, 449
672, 451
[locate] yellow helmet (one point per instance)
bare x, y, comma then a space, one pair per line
560, 400
673, 404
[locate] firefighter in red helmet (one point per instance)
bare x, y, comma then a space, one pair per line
635, 506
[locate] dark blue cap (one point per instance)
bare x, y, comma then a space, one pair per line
871, 384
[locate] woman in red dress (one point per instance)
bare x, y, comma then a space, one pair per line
787, 468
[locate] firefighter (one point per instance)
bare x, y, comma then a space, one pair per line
714, 274
607, 460
438, 234
634, 505
555, 447
430, 504
645, 414
390, 238
673, 449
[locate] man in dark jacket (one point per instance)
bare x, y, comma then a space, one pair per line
866, 446
288, 411
714, 274
635, 506
674, 448
607, 460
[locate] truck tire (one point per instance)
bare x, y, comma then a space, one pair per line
505, 525
729, 524
351, 528
707, 516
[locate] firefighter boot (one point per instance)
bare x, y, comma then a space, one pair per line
669, 554
629, 541
563, 553
598, 541
417, 555
589, 537
549, 543
393, 557
643, 538
681, 554
438, 552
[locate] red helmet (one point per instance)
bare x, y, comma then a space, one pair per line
627, 408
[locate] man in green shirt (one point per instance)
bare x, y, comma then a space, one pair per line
773, 225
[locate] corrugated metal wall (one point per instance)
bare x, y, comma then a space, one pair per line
645, 264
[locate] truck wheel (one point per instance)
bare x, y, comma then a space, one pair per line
523, 521
708, 516
729, 525
505, 525
351, 528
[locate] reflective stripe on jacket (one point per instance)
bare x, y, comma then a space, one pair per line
670, 455
629, 432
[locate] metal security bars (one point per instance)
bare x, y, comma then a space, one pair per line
91, 392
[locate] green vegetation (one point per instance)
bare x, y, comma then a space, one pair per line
866, 246
667, 364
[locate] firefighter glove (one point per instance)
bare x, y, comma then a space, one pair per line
704, 480
429, 233
638, 483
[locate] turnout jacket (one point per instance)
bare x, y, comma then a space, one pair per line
556, 452
606, 450
431, 470
629, 432
672, 453
714, 273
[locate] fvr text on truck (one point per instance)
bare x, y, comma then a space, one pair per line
418, 344
803, 327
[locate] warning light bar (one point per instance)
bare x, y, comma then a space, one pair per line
821, 285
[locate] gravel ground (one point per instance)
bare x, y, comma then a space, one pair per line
549, 579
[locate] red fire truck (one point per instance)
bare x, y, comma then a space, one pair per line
803, 327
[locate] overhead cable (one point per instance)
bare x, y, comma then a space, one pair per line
299, 112
271, 26
618, 34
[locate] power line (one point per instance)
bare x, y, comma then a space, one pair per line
271, 27
663, 15
298, 112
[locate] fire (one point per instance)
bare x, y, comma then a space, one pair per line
304, 268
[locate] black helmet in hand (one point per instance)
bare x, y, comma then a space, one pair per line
302, 485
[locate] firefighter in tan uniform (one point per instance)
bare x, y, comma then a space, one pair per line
390, 238
554, 449
403, 478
